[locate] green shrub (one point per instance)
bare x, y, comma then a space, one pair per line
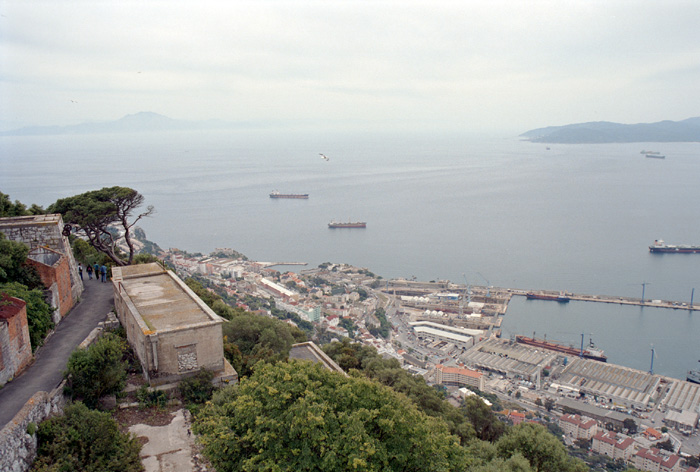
148, 397
85, 440
97, 371
31, 429
197, 389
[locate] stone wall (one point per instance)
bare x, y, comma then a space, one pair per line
17, 447
44, 230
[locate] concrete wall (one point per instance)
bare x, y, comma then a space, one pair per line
17, 448
137, 333
190, 349
15, 345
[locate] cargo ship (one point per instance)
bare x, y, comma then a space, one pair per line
276, 194
694, 376
357, 224
591, 352
660, 246
561, 298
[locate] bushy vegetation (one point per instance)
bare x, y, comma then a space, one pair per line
298, 416
8, 208
85, 440
97, 371
151, 397
251, 338
365, 359
39, 312
198, 389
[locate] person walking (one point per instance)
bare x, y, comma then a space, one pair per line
80, 271
97, 272
89, 271
103, 271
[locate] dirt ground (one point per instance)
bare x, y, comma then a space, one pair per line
168, 443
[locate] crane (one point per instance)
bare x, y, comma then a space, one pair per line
488, 286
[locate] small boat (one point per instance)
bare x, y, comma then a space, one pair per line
654, 155
356, 224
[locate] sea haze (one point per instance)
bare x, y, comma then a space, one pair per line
493, 210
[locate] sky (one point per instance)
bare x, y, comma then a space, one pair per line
502, 66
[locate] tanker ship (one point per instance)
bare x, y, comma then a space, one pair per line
561, 298
357, 224
660, 246
276, 194
591, 352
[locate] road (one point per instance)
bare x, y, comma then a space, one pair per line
46, 372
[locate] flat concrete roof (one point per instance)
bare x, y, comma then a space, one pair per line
163, 303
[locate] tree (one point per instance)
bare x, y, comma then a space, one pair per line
630, 425
7, 208
98, 370
544, 452
299, 416
549, 404
666, 445
486, 425
13, 264
94, 212
250, 338
86, 440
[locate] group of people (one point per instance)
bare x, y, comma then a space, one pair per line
100, 272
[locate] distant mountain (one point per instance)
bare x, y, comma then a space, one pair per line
143, 121
607, 132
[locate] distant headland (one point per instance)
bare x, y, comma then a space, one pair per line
138, 122
608, 132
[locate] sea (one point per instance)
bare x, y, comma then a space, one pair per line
490, 210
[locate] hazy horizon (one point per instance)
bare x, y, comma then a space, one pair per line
498, 67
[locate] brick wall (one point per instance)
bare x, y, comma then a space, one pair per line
15, 347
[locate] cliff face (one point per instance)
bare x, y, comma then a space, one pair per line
607, 132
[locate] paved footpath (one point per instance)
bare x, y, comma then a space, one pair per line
47, 370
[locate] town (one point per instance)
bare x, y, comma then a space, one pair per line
449, 334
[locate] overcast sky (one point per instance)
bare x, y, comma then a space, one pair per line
463, 65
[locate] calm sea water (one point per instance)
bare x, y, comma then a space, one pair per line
491, 210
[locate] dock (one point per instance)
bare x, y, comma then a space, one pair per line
675, 305
272, 264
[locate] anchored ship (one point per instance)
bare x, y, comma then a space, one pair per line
694, 376
561, 298
653, 154
660, 246
276, 194
357, 224
591, 352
